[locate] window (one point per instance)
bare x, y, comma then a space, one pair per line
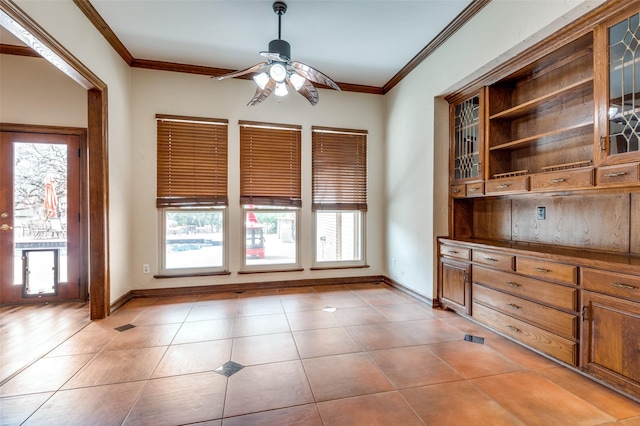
270, 192
339, 191
192, 194
271, 236
193, 239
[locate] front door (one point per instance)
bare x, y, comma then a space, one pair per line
40, 232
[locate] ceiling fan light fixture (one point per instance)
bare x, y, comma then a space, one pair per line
261, 79
278, 72
297, 81
281, 89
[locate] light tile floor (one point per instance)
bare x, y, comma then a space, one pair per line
376, 357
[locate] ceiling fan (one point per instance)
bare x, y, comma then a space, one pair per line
279, 71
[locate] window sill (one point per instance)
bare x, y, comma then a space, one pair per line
264, 271
320, 268
192, 274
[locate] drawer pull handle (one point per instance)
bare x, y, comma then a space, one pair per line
512, 284
544, 271
616, 174
624, 286
512, 328
456, 191
512, 306
557, 180
491, 259
474, 189
503, 186
452, 252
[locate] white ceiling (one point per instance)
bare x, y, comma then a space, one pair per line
352, 41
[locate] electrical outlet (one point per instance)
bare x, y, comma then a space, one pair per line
542, 213
145, 268
393, 262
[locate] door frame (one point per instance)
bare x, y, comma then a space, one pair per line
97, 187
83, 204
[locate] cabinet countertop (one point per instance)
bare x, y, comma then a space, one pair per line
624, 263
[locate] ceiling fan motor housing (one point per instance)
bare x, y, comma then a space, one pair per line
279, 7
281, 47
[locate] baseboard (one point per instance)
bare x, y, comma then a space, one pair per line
119, 303
265, 285
408, 291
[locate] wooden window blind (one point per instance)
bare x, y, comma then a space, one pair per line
339, 169
270, 164
192, 161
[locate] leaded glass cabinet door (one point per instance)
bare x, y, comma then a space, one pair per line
620, 106
467, 139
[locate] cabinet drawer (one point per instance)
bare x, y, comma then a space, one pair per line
623, 285
619, 175
542, 340
541, 291
455, 251
550, 319
562, 180
507, 185
547, 270
496, 260
458, 191
474, 189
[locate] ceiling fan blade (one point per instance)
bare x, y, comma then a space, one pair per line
262, 94
274, 56
314, 75
308, 91
251, 69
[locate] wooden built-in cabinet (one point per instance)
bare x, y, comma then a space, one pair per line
544, 209
455, 278
580, 308
569, 120
467, 145
610, 327
617, 93
541, 118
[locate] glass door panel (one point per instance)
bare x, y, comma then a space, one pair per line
39, 203
624, 84
466, 155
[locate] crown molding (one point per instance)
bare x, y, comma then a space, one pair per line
457, 23
94, 17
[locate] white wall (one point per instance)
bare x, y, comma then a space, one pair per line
408, 139
416, 119
64, 21
160, 92
133, 218
32, 91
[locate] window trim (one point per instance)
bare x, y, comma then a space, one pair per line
277, 267
163, 272
340, 264
336, 187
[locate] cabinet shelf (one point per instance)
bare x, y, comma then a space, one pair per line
543, 138
533, 105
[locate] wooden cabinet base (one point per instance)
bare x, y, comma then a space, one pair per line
535, 337
610, 345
